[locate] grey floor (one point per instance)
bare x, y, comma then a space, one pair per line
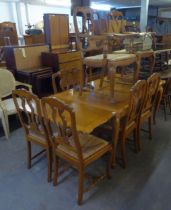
144, 185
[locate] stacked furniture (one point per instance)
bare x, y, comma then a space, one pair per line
56, 28
8, 36
25, 63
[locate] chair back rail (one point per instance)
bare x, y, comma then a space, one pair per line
138, 92
29, 110
152, 88
62, 125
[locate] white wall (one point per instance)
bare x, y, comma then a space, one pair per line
36, 12
9, 12
4, 12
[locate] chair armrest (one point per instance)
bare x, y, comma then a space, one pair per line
17, 83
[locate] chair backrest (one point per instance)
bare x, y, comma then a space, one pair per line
61, 125
71, 72
86, 40
116, 22
29, 111
137, 96
152, 87
7, 83
87, 16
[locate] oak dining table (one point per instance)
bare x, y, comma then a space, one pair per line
96, 106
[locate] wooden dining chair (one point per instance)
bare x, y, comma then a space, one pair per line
89, 43
147, 111
146, 60
79, 149
116, 23
71, 74
166, 97
129, 122
29, 111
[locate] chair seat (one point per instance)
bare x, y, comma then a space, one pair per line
110, 57
123, 51
120, 57
90, 145
9, 106
95, 61
37, 138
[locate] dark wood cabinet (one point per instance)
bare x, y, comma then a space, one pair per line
8, 34
51, 59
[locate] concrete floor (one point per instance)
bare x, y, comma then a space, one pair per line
144, 185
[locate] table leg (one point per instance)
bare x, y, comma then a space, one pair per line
112, 81
157, 103
115, 136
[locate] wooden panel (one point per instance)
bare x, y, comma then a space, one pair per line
29, 57
8, 34
56, 27
34, 39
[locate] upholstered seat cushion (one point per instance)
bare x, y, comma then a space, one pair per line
120, 57
144, 52
9, 106
123, 51
95, 61
110, 57
90, 145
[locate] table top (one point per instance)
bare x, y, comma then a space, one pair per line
95, 106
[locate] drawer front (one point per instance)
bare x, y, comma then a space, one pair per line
71, 65
69, 56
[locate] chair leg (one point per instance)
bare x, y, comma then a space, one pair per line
169, 102
150, 127
136, 140
6, 122
5, 127
157, 104
108, 165
165, 116
56, 166
28, 154
81, 186
49, 157
123, 151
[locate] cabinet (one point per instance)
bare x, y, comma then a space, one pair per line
8, 34
51, 59
56, 29
34, 39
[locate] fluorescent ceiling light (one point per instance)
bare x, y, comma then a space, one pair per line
104, 7
127, 7
64, 3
